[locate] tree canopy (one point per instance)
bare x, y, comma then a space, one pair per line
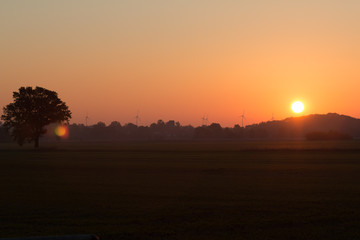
31, 111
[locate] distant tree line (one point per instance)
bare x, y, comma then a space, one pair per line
115, 131
158, 131
313, 127
310, 128
170, 130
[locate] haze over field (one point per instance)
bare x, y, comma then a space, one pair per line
183, 59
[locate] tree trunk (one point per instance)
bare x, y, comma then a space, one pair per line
36, 143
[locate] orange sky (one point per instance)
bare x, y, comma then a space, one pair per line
183, 59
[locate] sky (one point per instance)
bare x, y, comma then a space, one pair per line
184, 59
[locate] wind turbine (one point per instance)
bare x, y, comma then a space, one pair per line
86, 119
137, 118
242, 119
204, 121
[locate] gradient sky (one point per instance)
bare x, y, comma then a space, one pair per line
183, 59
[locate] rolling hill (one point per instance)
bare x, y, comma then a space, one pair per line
300, 127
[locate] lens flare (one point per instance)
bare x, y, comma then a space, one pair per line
62, 131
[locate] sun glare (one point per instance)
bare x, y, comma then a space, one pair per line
297, 107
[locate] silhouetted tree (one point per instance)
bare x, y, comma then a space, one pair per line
113, 130
202, 132
216, 127
100, 125
170, 124
160, 124
115, 124
31, 111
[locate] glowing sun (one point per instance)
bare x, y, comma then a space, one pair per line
297, 107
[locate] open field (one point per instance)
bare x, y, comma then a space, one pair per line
202, 190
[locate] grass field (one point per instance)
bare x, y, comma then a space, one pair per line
200, 190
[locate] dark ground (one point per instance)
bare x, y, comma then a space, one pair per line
235, 190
